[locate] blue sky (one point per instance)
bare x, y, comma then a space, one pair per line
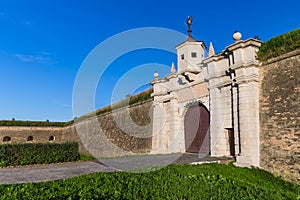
43, 43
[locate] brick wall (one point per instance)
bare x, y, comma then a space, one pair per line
280, 116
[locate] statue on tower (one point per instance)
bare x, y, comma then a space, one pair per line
189, 23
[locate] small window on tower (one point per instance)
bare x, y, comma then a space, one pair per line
194, 55
182, 57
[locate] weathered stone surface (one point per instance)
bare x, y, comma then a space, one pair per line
40, 134
124, 131
280, 116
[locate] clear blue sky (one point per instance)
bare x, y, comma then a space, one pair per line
43, 43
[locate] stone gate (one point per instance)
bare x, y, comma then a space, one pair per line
224, 84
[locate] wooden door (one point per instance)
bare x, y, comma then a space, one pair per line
196, 125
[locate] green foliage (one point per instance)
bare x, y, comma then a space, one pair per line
279, 45
3, 163
25, 154
209, 181
130, 100
143, 96
32, 123
86, 157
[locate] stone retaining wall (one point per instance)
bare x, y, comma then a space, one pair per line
20, 134
125, 131
280, 116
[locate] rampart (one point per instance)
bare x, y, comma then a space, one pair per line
280, 115
123, 131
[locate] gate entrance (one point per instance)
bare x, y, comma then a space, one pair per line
196, 127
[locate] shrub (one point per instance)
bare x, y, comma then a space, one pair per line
32, 123
25, 154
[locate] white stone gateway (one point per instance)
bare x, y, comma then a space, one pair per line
210, 105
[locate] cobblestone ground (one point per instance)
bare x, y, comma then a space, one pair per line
11, 175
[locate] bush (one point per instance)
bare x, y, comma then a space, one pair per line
32, 123
279, 45
25, 154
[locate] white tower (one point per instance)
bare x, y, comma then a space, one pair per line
190, 52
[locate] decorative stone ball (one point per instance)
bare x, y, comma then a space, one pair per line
237, 36
156, 75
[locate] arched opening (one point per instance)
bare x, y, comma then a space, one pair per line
51, 138
6, 139
29, 138
196, 127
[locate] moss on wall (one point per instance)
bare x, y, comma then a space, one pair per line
279, 45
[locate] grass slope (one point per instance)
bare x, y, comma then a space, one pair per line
279, 45
209, 181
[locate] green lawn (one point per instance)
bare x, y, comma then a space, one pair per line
208, 181
84, 157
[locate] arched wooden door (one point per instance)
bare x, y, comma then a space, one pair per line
196, 127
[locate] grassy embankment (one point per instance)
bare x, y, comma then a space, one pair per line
208, 181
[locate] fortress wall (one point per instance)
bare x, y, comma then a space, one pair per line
128, 131
125, 131
20, 134
280, 116
69, 133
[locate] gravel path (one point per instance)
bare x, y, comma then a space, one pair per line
49, 172
40, 173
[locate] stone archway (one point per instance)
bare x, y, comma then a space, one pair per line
196, 128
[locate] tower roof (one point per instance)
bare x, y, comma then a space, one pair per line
190, 37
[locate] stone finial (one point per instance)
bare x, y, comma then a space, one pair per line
211, 50
155, 75
237, 36
173, 70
